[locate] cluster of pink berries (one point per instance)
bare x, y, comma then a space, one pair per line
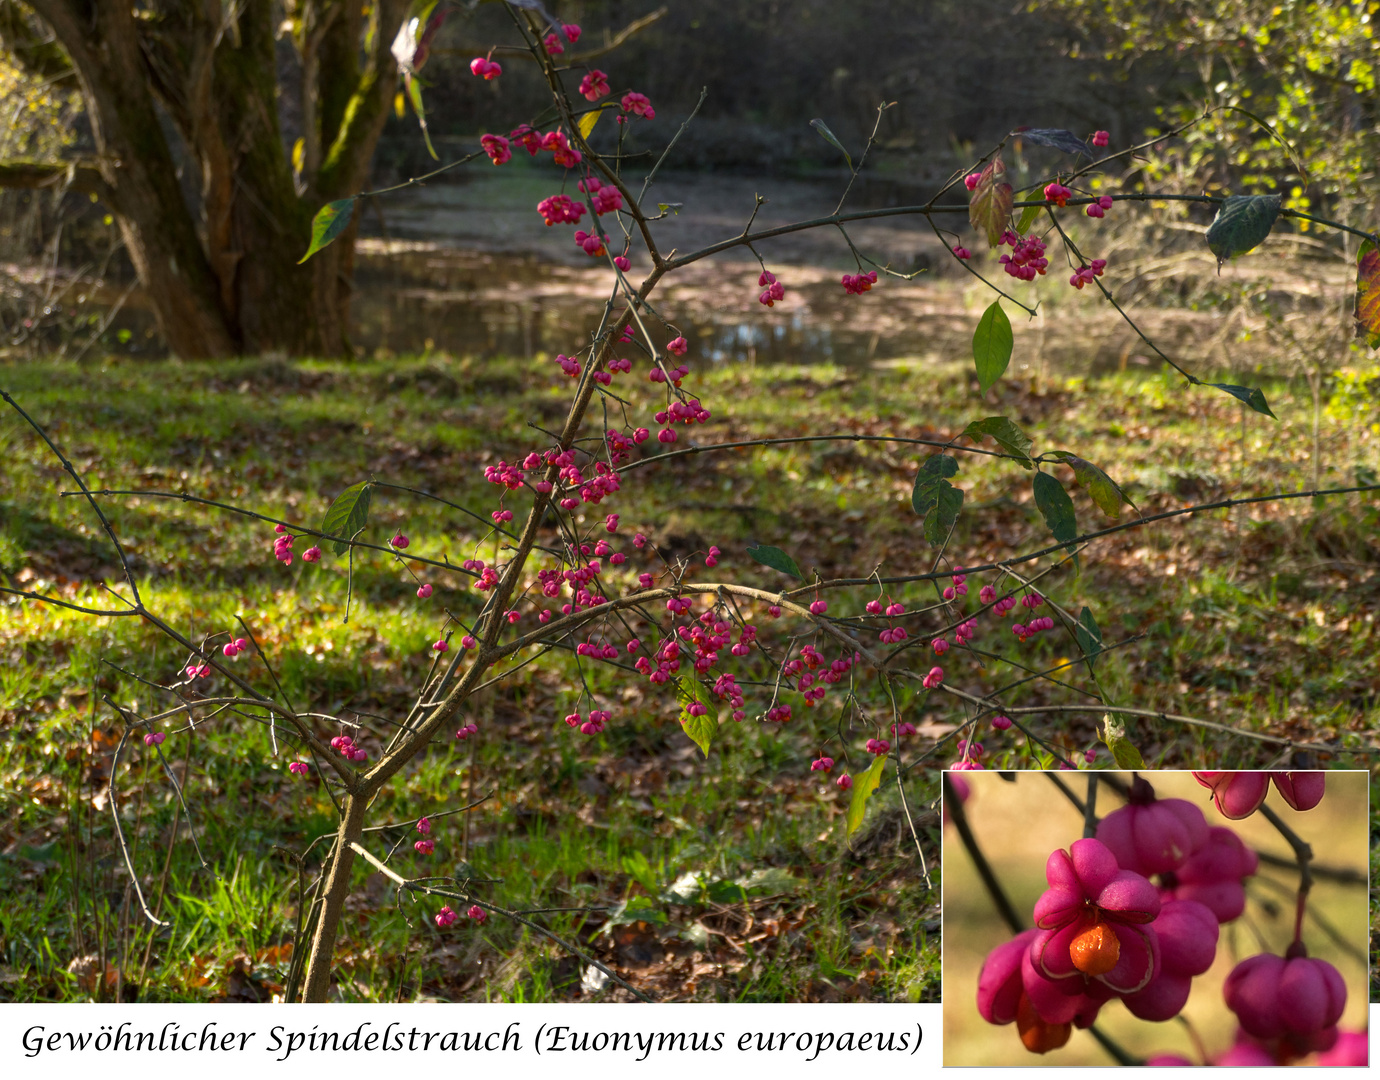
1058, 194
933, 679
674, 375
1032, 628
466, 731
1099, 209
487, 576
282, 546
1027, 258
155, 738
197, 671
446, 917
233, 648
727, 689
1239, 794
594, 85
591, 726
1105, 930
348, 750
894, 634
424, 846
961, 252
560, 210
879, 747
857, 284
553, 43
606, 197
486, 69
1000, 607
497, 147
298, 768
772, 290
638, 105
591, 244
874, 607
1084, 275
823, 763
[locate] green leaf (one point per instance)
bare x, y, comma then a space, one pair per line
864, 784
992, 342
990, 207
1249, 394
1088, 634
1007, 435
636, 909
940, 521
935, 499
934, 468
776, 559
1242, 223
1103, 489
347, 515
1368, 294
1028, 216
701, 729
636, 866
414, 95
330, 221
1123, 750
831, 139
1057, 508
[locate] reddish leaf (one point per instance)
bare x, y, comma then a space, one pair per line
1368, 294
990, 208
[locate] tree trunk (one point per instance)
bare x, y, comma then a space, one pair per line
223, 276
336, 888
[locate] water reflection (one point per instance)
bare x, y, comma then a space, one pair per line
412, 298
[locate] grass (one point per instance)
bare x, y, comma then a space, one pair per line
1261, 618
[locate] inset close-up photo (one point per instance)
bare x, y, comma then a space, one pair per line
1157, 918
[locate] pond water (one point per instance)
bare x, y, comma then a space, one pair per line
470, 268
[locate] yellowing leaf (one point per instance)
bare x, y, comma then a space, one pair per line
1368, 294
1123, 750
864, 784
589, 119
990, 208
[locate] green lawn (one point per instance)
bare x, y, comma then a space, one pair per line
733, 873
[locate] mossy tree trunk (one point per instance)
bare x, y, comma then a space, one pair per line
221, 270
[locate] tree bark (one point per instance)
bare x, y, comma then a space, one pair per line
137, 166
317, 982
223, 275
